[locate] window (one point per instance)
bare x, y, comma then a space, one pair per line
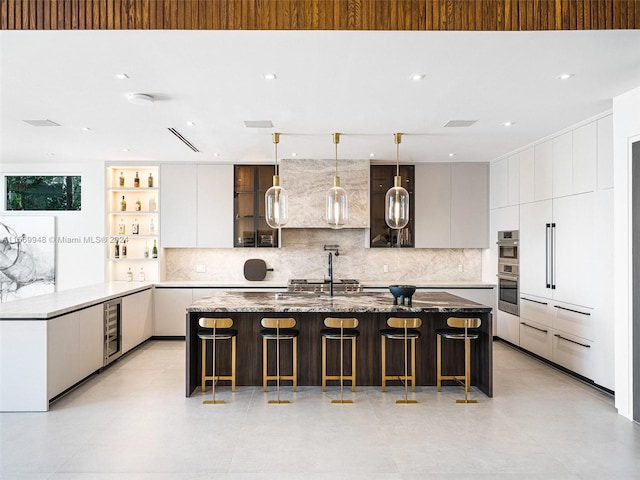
30, 192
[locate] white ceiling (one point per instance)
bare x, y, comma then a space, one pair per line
356, 83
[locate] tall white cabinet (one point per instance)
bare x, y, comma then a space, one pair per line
565, 212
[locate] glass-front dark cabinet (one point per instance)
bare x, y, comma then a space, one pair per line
250, 227
381, 181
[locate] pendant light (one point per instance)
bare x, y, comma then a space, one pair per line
396, 201
276, 198
337, 207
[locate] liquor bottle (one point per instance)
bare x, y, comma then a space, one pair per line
152, 227
136, 181
123, 249
138, 205
117, 255
150, 181
135, 227
121, 227
152, 204
141, 275
146, 250
129, 275
123, 204
154, 251
121, 179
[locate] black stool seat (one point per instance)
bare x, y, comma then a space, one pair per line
456, 333
221, 334
334, 333
398, 333
284, 333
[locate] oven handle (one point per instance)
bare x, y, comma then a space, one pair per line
508, 276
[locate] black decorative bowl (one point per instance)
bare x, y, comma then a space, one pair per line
401, 292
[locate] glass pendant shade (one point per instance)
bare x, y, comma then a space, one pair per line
337, 205
275, 204
396, 203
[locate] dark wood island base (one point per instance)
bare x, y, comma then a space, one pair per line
247, 309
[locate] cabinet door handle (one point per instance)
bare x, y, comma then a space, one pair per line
534, 301
547, 254
553, 256
535, 328
572, 341
571, 310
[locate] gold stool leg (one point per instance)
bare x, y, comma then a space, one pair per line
264, 363
353, 364
295, 364
439, 362
406, 374
342, 400
383, 361
233, 364
467, 369
324, 364
278, 401
213, 401
204, 365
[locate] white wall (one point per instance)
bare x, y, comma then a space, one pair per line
77, 264
626, 128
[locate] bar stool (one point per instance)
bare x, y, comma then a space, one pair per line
401, 329
340, 329
220, 330
459, 330
279, 329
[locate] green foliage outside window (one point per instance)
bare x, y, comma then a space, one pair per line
43, 192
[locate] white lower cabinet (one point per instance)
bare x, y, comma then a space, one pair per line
574, 353
63, 354
91, 340
508, 327
137, 319
171, 308
536, 338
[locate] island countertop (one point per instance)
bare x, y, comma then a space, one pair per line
228, 301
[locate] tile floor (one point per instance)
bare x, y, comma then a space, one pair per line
133, 422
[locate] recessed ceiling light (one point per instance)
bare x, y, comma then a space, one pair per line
191, 124
565, 76
452, 154
122, 76
508, 124
269, 76
294, 154
140, 99
372, 154
417, 76
126, 150
216, 154
86, 129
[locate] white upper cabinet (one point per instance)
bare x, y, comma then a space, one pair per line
513, 181
562, 165
499, 174
605, 152
451, 203
432, 205
178, 197
199, 206
527, 166
543, 171
585, 158
534, 245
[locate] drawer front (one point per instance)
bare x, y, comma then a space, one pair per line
508, 328
574, 353
537, 309
536, 338
573, 320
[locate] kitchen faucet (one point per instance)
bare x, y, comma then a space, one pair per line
331, 249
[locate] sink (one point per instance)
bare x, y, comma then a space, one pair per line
340, 286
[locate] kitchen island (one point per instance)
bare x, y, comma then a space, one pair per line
248, 308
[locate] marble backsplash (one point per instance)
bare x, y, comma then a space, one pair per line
302, 256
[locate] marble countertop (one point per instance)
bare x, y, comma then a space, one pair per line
368, 284
220, 302
51, 305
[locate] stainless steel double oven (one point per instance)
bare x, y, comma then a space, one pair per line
508, 271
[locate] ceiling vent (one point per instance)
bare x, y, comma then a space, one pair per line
42, 123
183, 139
460, 123
258, 124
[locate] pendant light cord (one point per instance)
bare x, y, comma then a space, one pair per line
336, 140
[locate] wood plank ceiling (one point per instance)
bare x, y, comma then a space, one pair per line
462, 15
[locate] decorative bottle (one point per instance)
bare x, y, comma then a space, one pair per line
117, 250
150, 181
146, 250
121, 180
152, 204
154, 250
152, 227
136, 181
123, 204
141, 275
123, 249
138, 205
135, 227
121, 227
129, 275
